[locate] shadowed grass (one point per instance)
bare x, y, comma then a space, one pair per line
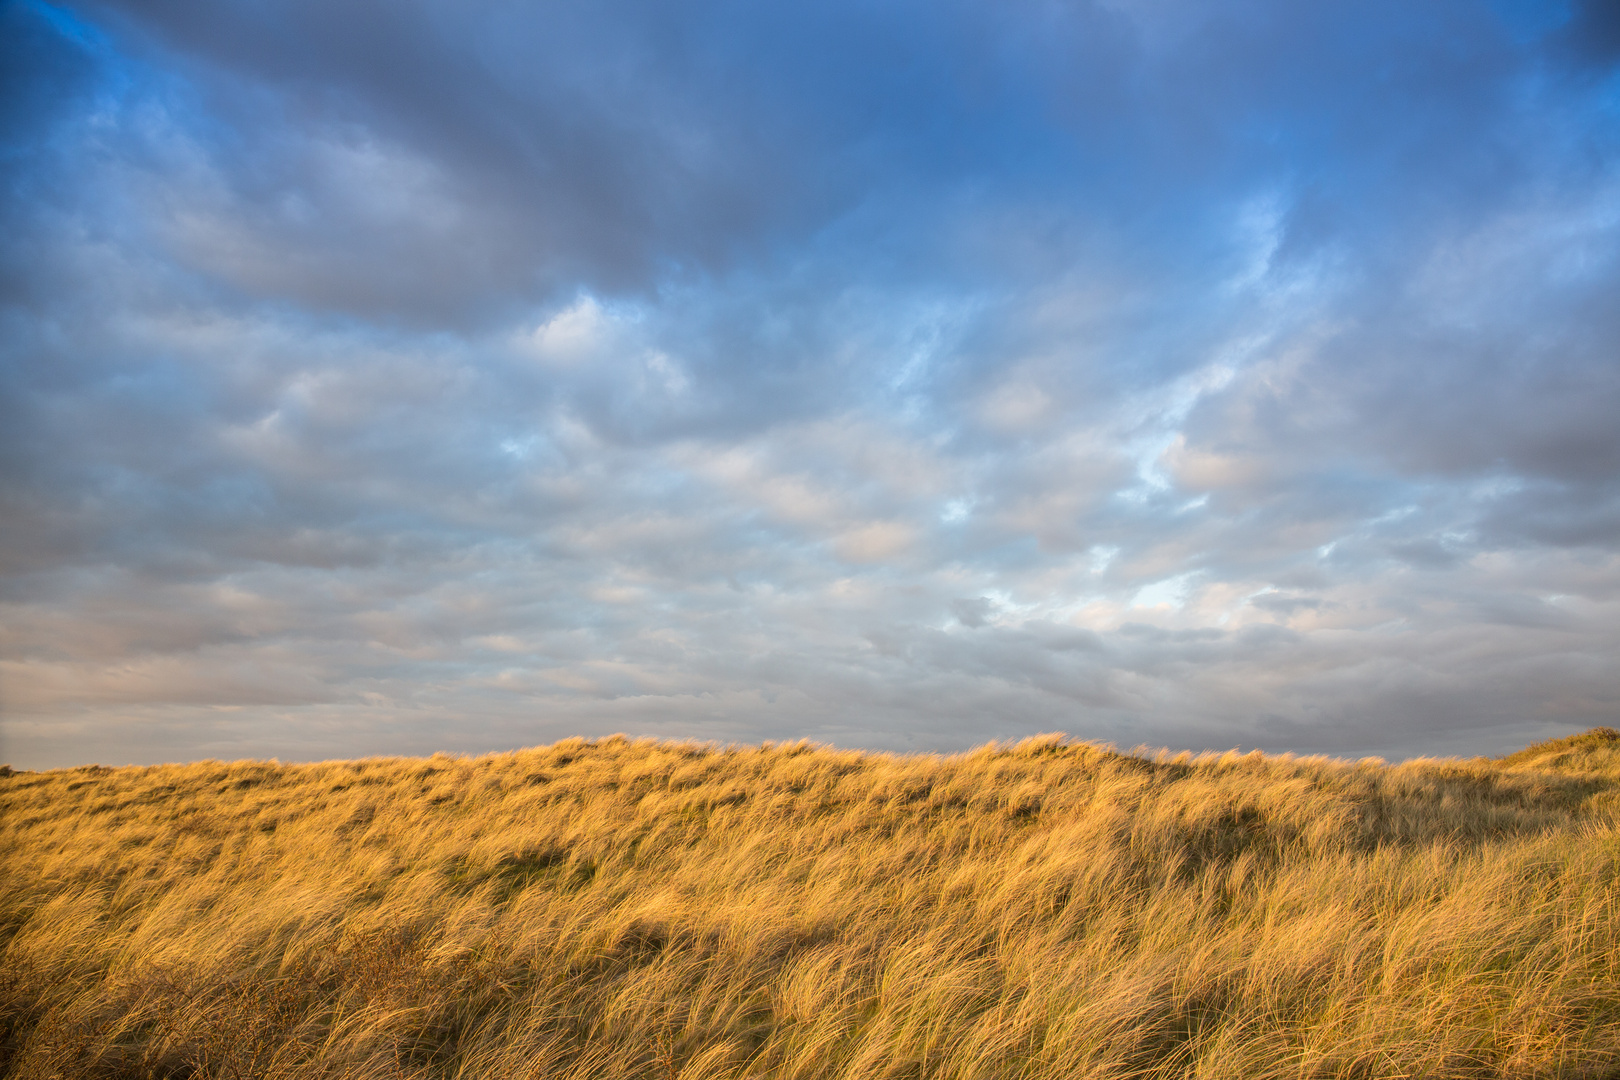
656, 910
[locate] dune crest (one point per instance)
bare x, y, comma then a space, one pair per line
621, 908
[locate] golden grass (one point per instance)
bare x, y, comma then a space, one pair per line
654, 910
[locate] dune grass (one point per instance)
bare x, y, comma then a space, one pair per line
662, 911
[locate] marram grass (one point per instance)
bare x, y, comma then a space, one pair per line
660, 911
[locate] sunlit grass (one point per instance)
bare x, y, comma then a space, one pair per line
645, 909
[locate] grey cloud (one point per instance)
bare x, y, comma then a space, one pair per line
551, 149
973, 612
1285, 605
1564, 515
1428, 553
373, 385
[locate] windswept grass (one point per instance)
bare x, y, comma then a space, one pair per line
661, 911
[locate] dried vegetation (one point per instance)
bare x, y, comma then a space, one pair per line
661, 911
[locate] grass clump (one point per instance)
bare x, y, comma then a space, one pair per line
657, 911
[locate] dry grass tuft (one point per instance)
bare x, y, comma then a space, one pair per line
662, 911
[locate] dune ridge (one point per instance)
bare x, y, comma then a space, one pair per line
645, 909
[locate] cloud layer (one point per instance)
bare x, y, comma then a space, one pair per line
382, 379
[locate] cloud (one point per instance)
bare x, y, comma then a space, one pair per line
904, 377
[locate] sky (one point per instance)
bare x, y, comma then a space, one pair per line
460, 376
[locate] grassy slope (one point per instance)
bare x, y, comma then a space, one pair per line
655, 910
